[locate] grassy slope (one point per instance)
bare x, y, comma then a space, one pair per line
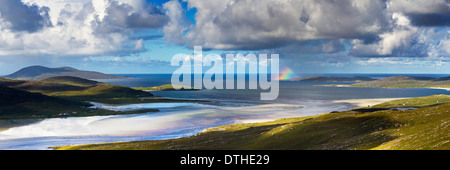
87, 90
334, 79
65, 95
423, 128
405, 82
75, 88
166, 87
92, 89
17, 103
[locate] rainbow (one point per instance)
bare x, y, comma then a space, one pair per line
286, 74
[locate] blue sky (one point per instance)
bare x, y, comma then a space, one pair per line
138, 36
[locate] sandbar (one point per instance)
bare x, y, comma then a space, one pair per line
366, 102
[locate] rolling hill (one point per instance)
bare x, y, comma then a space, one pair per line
71, 90
18, 103
166, 87
41, 72
63, 96
74, 88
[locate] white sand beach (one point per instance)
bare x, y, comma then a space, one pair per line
441, 88
366, 102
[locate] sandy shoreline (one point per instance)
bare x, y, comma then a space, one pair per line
441, 88
366, 102
97, 126
357, 102
277, 111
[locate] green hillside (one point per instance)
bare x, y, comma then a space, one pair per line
166, 87
69, 80
18, 103
334, 79
406, 82
74, 88
378, 127
66, 96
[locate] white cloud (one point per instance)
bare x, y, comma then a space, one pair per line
383, 61
445, 46
116, 58
439, 63
83, 27
139, 45
419, 6
177, 24
400, 37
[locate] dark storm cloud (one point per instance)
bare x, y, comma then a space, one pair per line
22, 17
147, 37
433, 19
118, 18
416, 46
150, 17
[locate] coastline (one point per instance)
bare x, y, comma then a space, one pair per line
274, 119
380, 131
253, 121
352, 85
359, 103
440, 88
366, 102
196, 119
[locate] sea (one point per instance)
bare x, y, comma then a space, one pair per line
176, 120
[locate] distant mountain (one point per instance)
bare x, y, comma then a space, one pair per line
334, 79
41, 72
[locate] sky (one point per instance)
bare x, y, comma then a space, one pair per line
310, 36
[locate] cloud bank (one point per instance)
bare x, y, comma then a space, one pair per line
70, 28
373, 28
309, 32
260, 24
